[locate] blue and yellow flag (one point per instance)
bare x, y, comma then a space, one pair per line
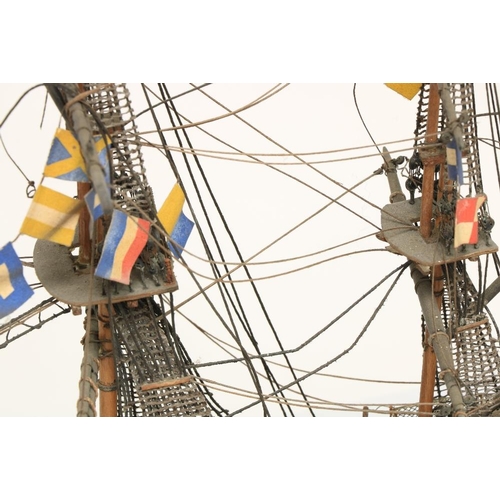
125, 239
14, 290
65, 159
52, 216
180, 234
173, 220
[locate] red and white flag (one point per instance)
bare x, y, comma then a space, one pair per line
466, 225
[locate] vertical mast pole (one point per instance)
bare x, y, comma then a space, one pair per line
107, 377
107, 373
429, 160
438, 338
429, 361
436, 348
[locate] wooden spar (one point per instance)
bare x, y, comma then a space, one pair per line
429, 159
107, 377
107, 373
429, 357
429, 362
438, 338
427, 379
166, 383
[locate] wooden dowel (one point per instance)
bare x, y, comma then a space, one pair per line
166, 383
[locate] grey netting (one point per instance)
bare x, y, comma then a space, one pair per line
477, 361
153, 380
112, 110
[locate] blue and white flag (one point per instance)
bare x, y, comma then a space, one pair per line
454, 161
14, 290
94, 205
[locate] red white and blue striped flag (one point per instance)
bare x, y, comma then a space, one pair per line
125, 239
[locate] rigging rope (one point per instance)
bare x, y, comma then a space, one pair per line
164, 91
262, 98
346, 351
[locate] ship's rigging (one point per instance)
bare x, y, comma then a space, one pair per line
148, 346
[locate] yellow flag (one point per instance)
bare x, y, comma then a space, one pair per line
171, 209
52, 216
408, 90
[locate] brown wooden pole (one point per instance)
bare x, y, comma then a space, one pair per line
427, 381
438, 337
107, 373
429, 362
107, 377
429, 161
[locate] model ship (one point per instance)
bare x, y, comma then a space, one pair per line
110, 253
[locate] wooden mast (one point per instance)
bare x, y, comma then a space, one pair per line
429, 158
107, 371
429, 361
